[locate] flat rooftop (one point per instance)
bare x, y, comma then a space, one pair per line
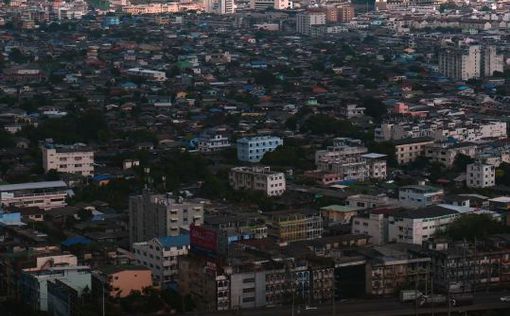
32, 186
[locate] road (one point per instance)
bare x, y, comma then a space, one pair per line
375, 307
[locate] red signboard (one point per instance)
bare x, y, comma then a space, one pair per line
203, 238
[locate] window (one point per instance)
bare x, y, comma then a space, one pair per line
249, 280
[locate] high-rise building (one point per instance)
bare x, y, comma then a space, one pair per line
491, 61
345, 13
460, 62
307, 20
159, 215
219, 6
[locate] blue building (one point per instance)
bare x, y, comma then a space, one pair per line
252, 149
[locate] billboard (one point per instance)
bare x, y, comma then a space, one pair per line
203, 240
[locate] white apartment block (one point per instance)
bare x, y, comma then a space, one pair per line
160, 215
460, 63
207, 144
161, 256
258, 179
416, 226
479, 175
305, 21
45, 195
414, 196
151, 75
68, 159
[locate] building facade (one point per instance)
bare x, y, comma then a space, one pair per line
258, 179
252, 149
45, 195
68, 159
480, 175
156, 215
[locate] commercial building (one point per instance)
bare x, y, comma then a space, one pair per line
159, 215
74, 159
480, 175
419, 225
258, 179
373, 224
161, 256
252, 149
45, 195
273, 4
419, 195
306, 21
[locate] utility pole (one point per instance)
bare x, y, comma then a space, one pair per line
103, 300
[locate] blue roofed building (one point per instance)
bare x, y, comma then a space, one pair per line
161, 255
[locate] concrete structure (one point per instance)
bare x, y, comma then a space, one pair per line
151, 75
375, 225
294, 226
252, 149
460, 62
273, 4
74, 159
161, 256
213, 143
416, 226
480, 175
34, 284
365, 201
492, 61
45, 195
157, 215
220, 6
121, 280
339, 214
407, 150
258, 179
419, 195
307, 20
445, 153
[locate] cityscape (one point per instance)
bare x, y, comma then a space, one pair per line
254, 157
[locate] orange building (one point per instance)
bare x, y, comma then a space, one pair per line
121, 280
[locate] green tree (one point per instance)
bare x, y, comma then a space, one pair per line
473, 226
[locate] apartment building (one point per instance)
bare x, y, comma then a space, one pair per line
446, 153
407, 150
45, 195
414, 196
492, 61
480, 175
252, 149
160, 215
121, 280
418, 225
460, 62
151, 75
306, 21
373, 224
161, 256
219, 6
34, 284
294, 226
258, 179
213, 143
273, 4
75, 159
